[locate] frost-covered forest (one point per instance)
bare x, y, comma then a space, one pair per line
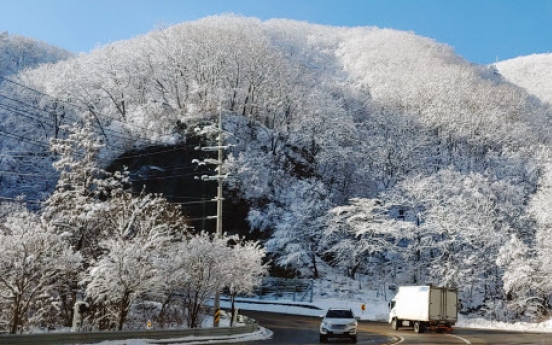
530, 72
18, 53
375, 151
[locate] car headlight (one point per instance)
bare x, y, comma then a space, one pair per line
326, 324
352, 324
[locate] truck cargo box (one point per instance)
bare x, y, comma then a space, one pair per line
426, 305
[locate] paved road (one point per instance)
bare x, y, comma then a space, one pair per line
293, 330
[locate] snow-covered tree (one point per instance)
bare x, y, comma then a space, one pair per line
524, 282
245, 269
198, 266
139, 231
18, 52
461, 225
78, 200
34, 257
129, 216
76, 209
126, 271
358, 235
526, 260
297, 226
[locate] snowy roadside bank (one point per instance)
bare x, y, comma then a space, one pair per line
375, 312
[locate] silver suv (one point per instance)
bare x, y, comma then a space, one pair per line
339, 323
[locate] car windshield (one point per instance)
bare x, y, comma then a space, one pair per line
339, 314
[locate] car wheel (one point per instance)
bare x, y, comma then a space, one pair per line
323, 338
354, 340
419, 327
395, 324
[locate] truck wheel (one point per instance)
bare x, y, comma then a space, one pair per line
419, 327
395, 324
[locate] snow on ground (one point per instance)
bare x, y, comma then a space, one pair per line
540, 327
375, 312
261, 334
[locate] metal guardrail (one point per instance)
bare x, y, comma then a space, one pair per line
93, 337
295, 289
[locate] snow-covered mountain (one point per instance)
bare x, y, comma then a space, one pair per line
18, 52
379, 150
533, 73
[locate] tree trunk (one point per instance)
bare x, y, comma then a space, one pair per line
232, 309
314, 267
15, 321
123, 311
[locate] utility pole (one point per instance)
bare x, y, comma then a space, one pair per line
220, 178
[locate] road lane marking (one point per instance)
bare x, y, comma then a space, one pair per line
465, 340
400, 339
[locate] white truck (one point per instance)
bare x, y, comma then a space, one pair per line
424, 307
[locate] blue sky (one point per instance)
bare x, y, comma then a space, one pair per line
481, 31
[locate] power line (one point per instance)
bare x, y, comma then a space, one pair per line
172, 197
23, 103
132, 180
21, 138
48, 113
195, 219
191, 202
22, 201
54, 176
28, 174
167, 177
178, 148
69, 103
38, 155
24, 114
21, 113
32, 142
181, 203
172, 168
38, 201
46, 121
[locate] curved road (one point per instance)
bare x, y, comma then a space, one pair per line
294, 329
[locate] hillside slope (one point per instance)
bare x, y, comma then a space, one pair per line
381, 151
18, 52
533, 73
